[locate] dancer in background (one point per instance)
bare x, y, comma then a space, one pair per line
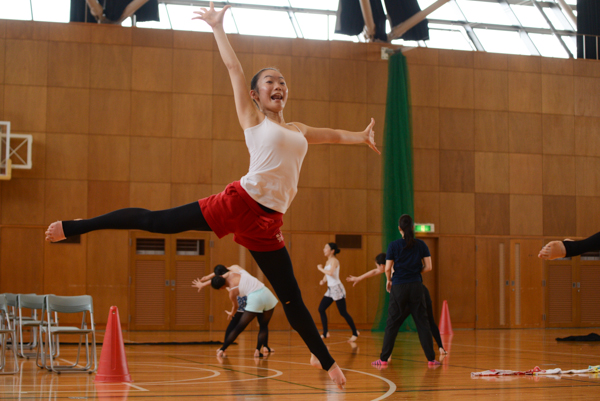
252, 208
335, 290
380, 269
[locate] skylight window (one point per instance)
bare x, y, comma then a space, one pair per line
448, 11
479, 11
15, 9
529, 16
335, 36
548, 45
263, 23
495, 41
51, 11
313, 26
331, 5
448, 39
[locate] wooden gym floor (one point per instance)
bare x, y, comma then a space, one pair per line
175, 372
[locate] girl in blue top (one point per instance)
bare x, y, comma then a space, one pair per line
407, 256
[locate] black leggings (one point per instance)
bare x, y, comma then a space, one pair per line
263, 333
276, 265
435, 331
575, 248
341, 305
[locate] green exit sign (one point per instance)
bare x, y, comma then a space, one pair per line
424, 228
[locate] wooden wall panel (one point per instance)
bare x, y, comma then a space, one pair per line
426, 169
22, 260
588, 220
524, 63
490, 61
311, 78
457, 130
23, 202
151, 114
348, 210
588, 176
200, 64
192, 116
232, 154
2, 58
345, 50
557, 66
150, 159
106, 196
374, 169
526, 215
525, 173
587, 136
425, 128
347, 166
315, 171
108, 273
110, 112
587, 96
61, 258
111, 34
225, 123
221, 84
348, 116
491, 89
69, 32
182, 194
193, 40
424, 85
191, 161
451, 58
459, 213
27, 30
491, 271
26, 62
75, 73
491, 131
152, 69
456, 87
457, 264
524, 92
377, 82
67, 199
272, 45
313, 113
560, 216
457, 171
492, 214
374, 206
1, 100
310, 210
110, 67
25, 108
528, 311
492, 172
151, 37
558, 94
341, 73
66, 156
152, 196
423, 56
559, 134
310, 48
108, 158
428, 208
68, 110
525, 132
558, 173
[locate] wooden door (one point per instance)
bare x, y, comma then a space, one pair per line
561, 307
430, 278
492, 289
526, 284
588, 290
162, 270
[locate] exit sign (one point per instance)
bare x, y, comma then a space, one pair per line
424, 228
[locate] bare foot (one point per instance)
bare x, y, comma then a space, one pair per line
337, 376
553, 250
267, 350
257, 354
221, 353
315, 362
55, 232
354, 337
325, 335
443, 351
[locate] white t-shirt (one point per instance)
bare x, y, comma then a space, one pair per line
334, 279
276, 156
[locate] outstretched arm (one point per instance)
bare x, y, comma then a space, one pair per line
247, 112
371, 273
199, 284
328, 135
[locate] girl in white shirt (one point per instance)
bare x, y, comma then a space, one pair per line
335, 290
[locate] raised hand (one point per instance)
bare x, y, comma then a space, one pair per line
211, 16
199, 284
370, 136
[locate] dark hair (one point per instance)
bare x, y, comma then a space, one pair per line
220, 270
407, 226
217, 282
380, 259
254, 80
334, 247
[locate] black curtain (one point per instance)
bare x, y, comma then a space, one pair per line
113, 9
350, 19
588, 23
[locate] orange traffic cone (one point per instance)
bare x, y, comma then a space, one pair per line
113, 362
445, 323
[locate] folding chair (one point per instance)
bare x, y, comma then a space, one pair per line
6, 330
35, 303
77, 304
12, 301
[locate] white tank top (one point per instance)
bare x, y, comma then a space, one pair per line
276, 156
248, 284
334, 279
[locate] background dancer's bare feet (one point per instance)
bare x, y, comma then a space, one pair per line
315, 362
337, 376
55, 232
443, 351
553, 250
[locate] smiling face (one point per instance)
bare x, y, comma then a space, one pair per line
327, 251
270, 91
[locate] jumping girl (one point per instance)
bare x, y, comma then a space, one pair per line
335, 290
252, 208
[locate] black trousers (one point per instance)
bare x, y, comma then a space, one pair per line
341, 305
402, 296
435, 331
575, 248
276, 265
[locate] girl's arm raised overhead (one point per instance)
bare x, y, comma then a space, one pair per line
247, 112
328, 135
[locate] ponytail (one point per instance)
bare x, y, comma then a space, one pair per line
407, 226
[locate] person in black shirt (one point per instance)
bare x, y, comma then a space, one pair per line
407, 257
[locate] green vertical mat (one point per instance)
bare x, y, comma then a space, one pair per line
397, 170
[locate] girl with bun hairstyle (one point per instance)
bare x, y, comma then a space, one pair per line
335, 290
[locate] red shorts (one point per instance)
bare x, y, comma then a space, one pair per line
234, 211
